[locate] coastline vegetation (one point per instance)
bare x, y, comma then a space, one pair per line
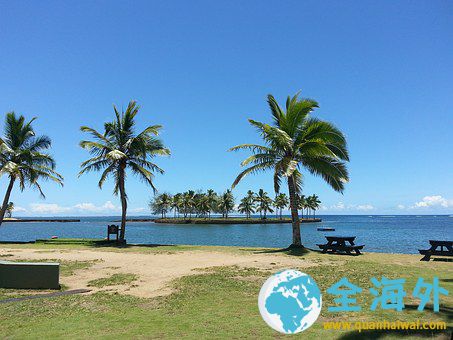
201, 206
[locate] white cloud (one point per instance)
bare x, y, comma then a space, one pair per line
48, 208
340, 206
434, 201
79, 208
365, 207
90, 207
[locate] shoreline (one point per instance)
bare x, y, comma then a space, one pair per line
50, 220
232, 220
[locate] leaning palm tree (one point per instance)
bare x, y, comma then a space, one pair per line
294, 142
23, 158
119, 149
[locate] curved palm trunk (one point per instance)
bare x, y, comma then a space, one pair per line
6, 199
294, 213
123, 204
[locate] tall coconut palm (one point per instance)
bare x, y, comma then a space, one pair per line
264, 203
119, 149
294, 142
23, 158
281, 202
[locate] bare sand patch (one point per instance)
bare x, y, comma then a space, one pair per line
155, 270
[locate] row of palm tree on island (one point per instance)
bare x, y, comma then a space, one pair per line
295, 141
203, 205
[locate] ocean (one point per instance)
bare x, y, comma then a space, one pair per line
384, 234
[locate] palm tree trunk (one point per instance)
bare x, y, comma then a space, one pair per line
123, 204
294, 213
6, 199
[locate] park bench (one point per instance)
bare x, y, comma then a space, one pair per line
29, 275
341, 244
446, 249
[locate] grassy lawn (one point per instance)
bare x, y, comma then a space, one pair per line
115, 279
222, 303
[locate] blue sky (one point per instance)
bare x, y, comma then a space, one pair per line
381, 70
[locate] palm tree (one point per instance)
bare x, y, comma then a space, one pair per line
176, 203
264, 203
301, 203
202, 204
9, 209
281, 202
247, 205
188, 202
119, 149
313, 202
212, 198
23, 158
161, 204
226, 203
293, 142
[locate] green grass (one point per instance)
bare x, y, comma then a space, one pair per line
222, 303
115, 279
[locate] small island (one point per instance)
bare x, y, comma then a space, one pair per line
231, 220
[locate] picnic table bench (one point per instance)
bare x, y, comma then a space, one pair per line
435, 244
339, 244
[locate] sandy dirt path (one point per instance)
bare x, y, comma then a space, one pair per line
155, 270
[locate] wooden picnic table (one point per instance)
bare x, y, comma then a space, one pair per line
340, 244
435, 244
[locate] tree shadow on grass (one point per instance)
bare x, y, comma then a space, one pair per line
445, 312
291, 250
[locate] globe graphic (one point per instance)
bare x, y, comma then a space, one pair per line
290, 301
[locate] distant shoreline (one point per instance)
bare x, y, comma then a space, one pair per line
231, 220
51, 220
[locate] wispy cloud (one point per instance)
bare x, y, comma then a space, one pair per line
82, 208
48, 208
340, 206
90, 207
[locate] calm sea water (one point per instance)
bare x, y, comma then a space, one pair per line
392, 234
